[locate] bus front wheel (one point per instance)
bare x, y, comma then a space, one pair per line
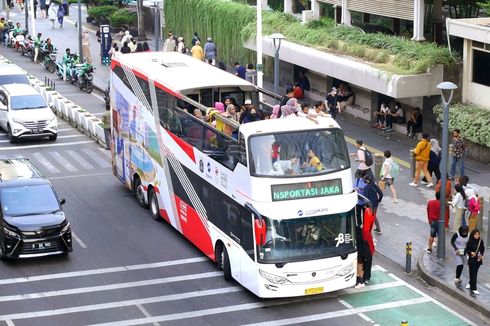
223, 262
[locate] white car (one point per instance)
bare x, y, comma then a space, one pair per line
12, 74
24, 113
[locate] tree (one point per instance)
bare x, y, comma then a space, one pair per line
141, 21
485, 6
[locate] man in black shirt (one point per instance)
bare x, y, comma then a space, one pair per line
285, 98
332, 103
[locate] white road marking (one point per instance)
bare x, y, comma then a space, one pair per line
102, 271
10, 323
80, 160
63, 161
109, 287
80, 176
145, 313
59, 137
47, 164
377, 268
363, 316
374, 287
469, 322
46, 145
78, 240
249, 306
95, 157
119, 304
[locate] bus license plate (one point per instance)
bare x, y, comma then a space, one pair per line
314, 290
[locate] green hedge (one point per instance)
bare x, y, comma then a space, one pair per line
472, 120
223, 20
122, 17
101, 11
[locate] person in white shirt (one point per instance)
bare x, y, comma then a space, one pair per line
386, 174
458, 205
361, 157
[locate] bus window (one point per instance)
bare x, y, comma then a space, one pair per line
298, 153
207, 97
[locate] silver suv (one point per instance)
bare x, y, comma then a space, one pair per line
24, 113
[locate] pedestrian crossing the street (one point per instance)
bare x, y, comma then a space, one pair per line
154, 293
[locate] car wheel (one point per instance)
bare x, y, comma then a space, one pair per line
138, 192
2, 254
53, 137
11, 137
50, 66
154, 207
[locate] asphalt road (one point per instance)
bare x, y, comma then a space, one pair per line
127, 269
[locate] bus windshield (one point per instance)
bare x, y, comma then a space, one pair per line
308, 238
298, 153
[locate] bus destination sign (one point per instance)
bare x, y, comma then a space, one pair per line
301, 190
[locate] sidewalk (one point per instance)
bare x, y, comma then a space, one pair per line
402, 222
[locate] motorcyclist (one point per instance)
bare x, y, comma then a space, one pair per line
48, 47
17, 30
37, 46
67, 62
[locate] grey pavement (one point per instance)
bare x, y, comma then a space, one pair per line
402, 222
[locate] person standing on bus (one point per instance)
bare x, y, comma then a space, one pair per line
197, 51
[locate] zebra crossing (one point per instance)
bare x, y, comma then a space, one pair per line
61, 157
190, 291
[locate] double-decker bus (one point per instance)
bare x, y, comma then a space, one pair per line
271, 202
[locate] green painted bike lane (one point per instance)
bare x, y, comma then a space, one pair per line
388, 300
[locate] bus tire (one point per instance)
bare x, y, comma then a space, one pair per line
138, 192
223, 261
153, 204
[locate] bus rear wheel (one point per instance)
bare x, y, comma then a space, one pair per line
223, 262
138, 192
153, 203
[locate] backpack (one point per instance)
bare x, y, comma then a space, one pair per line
368, 157
395, 169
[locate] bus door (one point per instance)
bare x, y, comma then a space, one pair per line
249, 262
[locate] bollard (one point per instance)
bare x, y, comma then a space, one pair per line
412, 164
404, 323
408, 263
378, 163
488, 227
480, 213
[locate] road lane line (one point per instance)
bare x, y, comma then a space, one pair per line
145, 313
80, 176
249, 306
102, 271
83, 162
363, 316
63, 161
95, 157
47, 164
78, 240
119, 304
374, 287
109, 287
10, 323
469, 322
59, 137
47, 145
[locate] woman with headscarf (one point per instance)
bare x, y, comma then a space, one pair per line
434, 160
275, 111
290, 108
231, 113
473, 208
475, 248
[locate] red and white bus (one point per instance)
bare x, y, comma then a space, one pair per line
253, 199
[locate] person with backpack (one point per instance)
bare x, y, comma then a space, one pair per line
422, 153
364, 159
375, 195
389, 171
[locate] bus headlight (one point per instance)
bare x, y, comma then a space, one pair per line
346, 270
273, 278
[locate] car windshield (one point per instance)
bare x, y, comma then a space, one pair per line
14, 79
300, 153
28, 200
308, 238
27, 102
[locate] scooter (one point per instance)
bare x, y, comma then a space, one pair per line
49, 60
60, 67
83, 77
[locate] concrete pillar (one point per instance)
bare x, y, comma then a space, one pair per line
306, 16
265, 5
346, 17
467, 64
288, 6
315, 7
418, 21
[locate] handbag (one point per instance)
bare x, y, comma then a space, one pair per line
382, 184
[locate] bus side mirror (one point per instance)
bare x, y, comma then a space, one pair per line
260, 230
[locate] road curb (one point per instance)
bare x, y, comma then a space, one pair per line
436, 282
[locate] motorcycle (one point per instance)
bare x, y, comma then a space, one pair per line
26, 47
49, 60
69, 66
14, 41
83, 77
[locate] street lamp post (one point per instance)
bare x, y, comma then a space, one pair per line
80, 49
26, 7
157, 24
276, 38
450, 87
